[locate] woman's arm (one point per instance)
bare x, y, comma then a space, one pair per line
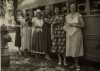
65, 24
80, 24
64, 27
81, 21
18, 25
52, 35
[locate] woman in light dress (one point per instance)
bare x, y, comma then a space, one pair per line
24, 32
74, 38
38, 43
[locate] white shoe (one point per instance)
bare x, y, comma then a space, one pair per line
77, 68
65, 64
59, 63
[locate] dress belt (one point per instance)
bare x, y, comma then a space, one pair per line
38, 27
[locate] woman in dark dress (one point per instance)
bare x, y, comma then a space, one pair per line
47, 31
18, 31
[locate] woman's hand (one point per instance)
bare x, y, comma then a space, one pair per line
64, 27
39, 30
74, 25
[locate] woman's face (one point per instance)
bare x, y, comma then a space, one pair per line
47, 9
56, 10
19, 16
72, 8
38, 15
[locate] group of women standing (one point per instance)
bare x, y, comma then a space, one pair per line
31, 32
44, 34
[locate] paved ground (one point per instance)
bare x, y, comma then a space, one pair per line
20, 63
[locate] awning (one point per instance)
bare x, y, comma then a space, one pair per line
26, 4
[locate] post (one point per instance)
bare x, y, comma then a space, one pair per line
88, 7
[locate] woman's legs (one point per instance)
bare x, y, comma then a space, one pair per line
47, 56
59, 59
77, 66
19, 51
76, 59
64, 61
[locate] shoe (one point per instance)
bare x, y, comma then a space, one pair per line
59, 63
65, 64
77, 68
47, 57
72, 67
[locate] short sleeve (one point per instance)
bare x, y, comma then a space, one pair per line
33, 20
80, 15
66, 19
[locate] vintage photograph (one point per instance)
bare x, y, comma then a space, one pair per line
50, 35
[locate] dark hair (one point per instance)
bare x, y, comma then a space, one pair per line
74, 4
2, 13
55, 9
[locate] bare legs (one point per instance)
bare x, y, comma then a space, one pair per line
59, 59
62, 59
77, 66
19, 51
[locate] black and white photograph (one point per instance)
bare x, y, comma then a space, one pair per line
50, 35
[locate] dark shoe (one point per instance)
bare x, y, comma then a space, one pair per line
72, 67
47, 57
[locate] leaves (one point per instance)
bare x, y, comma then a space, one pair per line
20, 1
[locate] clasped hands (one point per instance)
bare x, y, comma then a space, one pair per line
73, 24
38, 30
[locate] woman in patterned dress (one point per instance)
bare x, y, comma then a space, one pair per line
57, 35
74, 39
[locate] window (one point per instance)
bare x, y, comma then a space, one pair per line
89, 7
81, 4
95, 7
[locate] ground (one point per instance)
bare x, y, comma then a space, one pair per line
33, 63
